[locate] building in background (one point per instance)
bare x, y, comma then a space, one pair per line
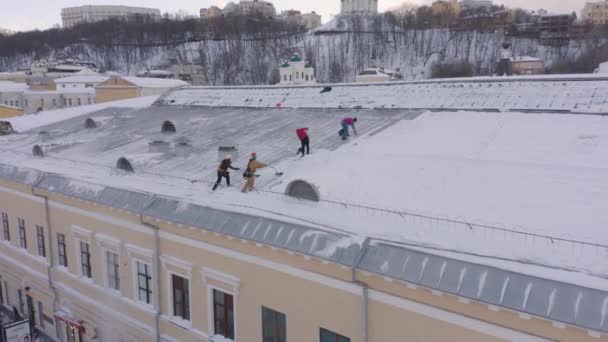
296, 71
445, 12
555, 29
211, 12
6, 32
80, 81
190, 73
43, 93
476, 4
526, 65
596, 12
309, 20
358, 6
9, 111
122, 88
72, 16
250, 8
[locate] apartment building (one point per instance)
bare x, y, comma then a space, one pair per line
250, 7
72, 16
596, 12
115, 255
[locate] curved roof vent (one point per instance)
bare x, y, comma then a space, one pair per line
168, 127
303, 190
44, 135
6, 128
90, 123
124, 164
37, 151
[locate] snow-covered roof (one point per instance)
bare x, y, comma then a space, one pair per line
86, 91
48, 117
150, 82
95, 78
8, 106
546, 93
485, 166
526, 59
7, 86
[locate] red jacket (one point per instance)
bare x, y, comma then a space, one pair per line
302, 133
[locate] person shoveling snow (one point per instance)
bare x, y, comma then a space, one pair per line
222, 171
304, 140
345, 123
249, 174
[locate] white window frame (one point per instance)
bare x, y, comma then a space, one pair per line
182, 269
136, 282
144, 256
109, 244
232, 289
82, 235
106, 273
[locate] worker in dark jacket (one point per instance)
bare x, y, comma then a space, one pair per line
222, 171
304, 140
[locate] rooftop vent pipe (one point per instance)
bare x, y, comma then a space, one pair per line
44, 136
227, 147
159, 146
183, 147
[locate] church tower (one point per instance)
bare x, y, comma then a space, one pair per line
359, 7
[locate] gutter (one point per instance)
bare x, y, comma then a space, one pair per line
157, 281
364, 288
49, 250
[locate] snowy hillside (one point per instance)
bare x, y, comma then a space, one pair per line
337, 57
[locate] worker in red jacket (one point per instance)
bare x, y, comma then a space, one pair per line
304, 139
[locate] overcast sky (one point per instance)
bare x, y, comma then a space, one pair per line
41, 14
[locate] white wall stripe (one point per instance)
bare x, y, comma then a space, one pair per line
22, 194
454, 318
103, 218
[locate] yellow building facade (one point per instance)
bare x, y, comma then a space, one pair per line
9, 111
99, 272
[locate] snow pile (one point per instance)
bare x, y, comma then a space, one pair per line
27, 122
498, 94
516, 169
543, 174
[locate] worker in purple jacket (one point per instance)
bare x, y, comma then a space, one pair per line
345, 123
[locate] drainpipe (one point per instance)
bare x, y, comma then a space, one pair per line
157, 281
49, 230
365, 289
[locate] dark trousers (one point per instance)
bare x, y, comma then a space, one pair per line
221, 175
305, 144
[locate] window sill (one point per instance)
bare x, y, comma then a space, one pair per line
179, 322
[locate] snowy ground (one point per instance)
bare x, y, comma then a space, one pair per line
539, 173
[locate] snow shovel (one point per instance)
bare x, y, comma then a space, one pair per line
278, 174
